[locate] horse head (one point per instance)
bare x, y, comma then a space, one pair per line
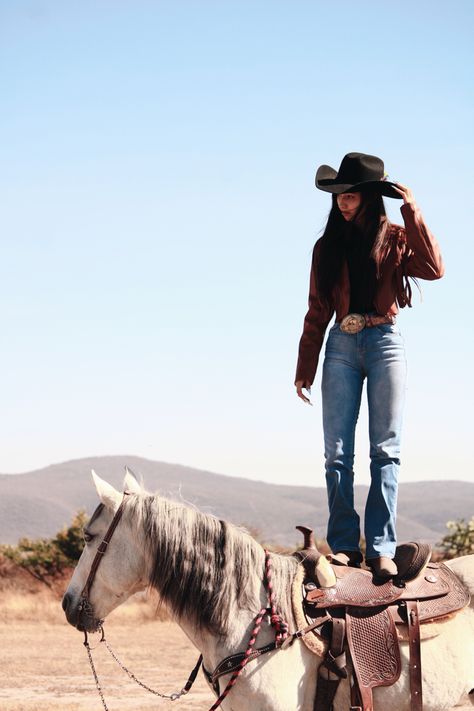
95, 590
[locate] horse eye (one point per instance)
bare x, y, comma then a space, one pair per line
88, 537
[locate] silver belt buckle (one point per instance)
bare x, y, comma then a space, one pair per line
352, 323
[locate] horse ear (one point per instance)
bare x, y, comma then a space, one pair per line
131, 483
109, 496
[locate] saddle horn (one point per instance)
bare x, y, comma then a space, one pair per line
317, 567
309, 542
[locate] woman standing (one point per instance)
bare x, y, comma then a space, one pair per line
360, 270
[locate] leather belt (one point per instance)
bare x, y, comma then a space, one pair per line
353, 323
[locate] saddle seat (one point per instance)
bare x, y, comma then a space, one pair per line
360, 614
356, 588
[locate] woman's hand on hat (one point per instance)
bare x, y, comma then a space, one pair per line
406, 193
300, 386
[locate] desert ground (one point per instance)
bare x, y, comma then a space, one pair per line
44, 665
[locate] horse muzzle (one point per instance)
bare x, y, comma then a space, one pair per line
80, 614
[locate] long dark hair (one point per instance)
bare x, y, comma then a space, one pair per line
371, 221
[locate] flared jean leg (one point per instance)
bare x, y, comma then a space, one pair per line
341, 395
386, 382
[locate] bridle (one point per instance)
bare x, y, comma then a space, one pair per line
85, 604
234, 664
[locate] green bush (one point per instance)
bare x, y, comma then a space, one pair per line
70, 540
46, 558
460, 540
40, 558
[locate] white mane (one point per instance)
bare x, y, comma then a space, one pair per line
202, 567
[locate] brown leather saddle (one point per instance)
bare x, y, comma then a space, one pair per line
361, 614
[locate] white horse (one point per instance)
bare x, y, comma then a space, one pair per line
209, 574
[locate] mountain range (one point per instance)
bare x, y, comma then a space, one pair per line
39, 503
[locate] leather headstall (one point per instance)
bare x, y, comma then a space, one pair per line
102, 549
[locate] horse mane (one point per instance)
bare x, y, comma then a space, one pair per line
205, 569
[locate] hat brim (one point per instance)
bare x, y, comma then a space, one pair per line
326, 180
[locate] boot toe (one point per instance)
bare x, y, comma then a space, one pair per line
353, 559
382, 567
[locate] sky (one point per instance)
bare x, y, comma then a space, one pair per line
158, 213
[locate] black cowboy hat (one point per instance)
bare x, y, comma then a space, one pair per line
356, 172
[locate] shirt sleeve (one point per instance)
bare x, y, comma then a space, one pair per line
315, 324
422, 257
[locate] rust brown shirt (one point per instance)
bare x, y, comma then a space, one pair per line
412, 251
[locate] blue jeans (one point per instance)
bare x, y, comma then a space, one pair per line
378, 354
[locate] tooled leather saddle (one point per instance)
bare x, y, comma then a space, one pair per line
361, 614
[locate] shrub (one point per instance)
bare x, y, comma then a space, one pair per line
460, 541
41, 558
46, 558
70, 540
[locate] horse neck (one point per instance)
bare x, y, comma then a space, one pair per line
206, 571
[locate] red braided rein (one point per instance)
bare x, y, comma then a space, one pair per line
277, 622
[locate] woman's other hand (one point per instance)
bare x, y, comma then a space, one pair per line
406, 193
300, 386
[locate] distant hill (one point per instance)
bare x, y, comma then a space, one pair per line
39, 503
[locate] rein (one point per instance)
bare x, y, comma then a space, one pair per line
171, 697
235, 663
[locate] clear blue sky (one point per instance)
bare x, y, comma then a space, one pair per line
158, 211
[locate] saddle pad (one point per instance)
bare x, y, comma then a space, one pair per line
313, 641
374, 649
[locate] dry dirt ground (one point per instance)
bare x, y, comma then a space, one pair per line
44, 666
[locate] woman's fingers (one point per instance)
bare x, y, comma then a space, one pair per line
402, 189
300, 393
300, 386
405, 192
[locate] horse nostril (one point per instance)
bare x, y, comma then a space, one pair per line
66, 601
